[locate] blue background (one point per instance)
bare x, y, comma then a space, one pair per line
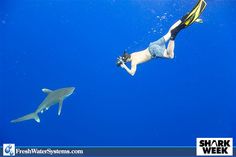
59, 43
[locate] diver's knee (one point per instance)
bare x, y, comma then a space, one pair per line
171, 56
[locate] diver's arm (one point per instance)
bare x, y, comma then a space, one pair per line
130, 71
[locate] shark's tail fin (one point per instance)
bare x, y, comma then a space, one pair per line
27, 117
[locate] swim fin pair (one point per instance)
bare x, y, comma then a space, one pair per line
190, 18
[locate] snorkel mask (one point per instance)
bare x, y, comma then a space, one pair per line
124, 58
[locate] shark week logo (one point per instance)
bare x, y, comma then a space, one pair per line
214, 146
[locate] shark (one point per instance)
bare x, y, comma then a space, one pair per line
53, 97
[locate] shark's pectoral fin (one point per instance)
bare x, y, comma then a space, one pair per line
45, 90
60, 107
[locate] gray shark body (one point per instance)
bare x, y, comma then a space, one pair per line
53, 97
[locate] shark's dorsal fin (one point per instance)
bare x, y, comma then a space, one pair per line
45, 90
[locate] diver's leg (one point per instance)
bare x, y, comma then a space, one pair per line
179, 27
169, 52
175, 25
168, 35
170, 49
176, 30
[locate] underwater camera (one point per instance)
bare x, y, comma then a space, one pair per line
119, 61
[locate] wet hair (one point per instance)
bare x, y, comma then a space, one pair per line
125, 56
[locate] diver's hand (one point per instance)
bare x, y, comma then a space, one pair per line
122, 65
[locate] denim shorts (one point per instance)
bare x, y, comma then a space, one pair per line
157, 48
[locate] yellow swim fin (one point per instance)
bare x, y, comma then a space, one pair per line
193, 15
190, 18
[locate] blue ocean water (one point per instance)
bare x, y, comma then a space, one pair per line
59, 43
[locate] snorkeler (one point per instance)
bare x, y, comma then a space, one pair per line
158, 49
